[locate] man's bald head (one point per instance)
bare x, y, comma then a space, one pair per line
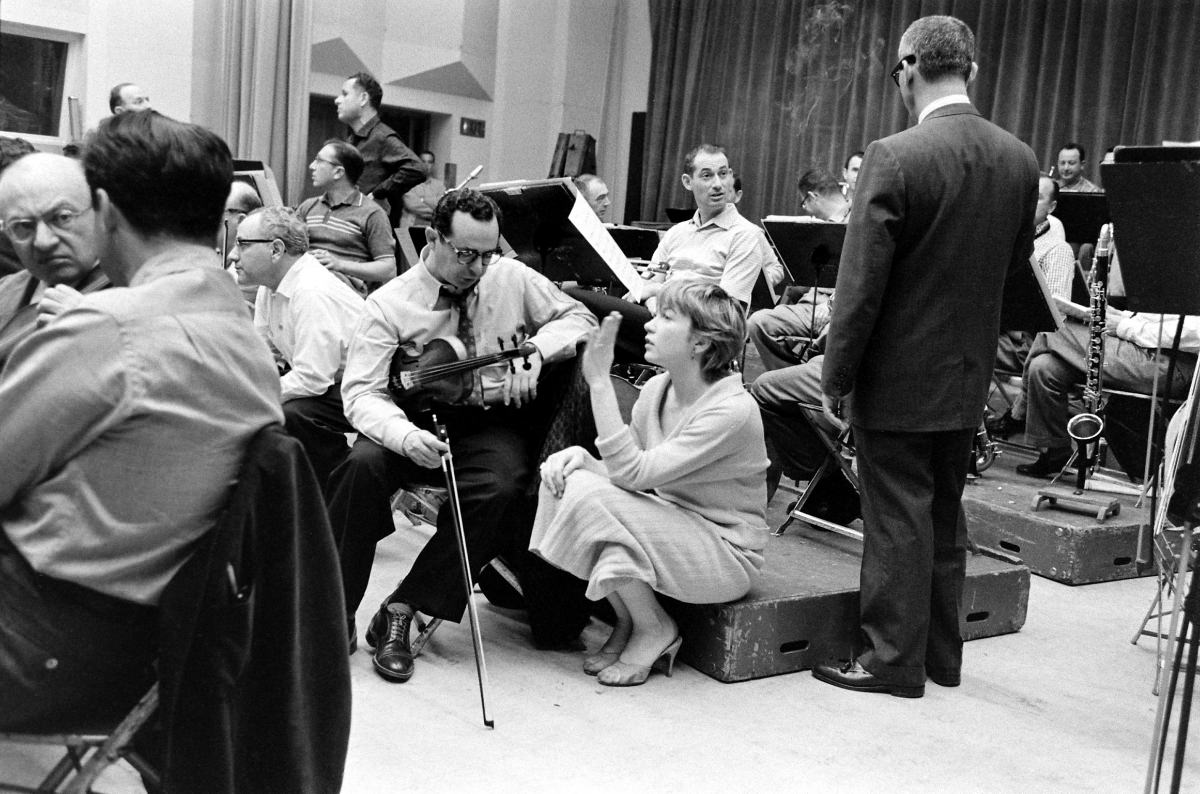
46, 207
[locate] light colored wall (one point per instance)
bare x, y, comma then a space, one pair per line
148, 42
550, 66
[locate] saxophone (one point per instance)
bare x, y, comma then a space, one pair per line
1087, 427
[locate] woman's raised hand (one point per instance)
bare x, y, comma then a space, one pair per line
598, 352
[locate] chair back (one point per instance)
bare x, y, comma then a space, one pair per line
254, 676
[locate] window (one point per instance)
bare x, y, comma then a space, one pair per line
32, 76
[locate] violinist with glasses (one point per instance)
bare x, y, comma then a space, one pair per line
462, 296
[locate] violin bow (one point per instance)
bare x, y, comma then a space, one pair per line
456, 511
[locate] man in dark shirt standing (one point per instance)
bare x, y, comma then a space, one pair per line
390, 168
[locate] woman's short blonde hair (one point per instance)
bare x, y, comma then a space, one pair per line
717, 319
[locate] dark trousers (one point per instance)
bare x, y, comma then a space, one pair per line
792, 444
71, 659
320, 425
631, 337
493, 462
914, 551
1058, 363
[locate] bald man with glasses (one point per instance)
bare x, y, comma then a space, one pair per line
46, 211
465, 294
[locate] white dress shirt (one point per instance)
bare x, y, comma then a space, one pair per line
309, 318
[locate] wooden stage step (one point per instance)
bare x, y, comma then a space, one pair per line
1067, 547
804, 609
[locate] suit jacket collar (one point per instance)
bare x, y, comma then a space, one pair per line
957, 109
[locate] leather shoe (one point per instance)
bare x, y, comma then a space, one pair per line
388, 635
852, 675
1048, 463
1004, 425
949, 678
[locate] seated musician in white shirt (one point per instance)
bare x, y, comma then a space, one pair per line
462, 294
307, 315
716, 244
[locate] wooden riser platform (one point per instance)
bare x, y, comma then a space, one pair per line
1067, 547
804, 609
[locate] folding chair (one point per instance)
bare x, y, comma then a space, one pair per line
87, 755
839, 453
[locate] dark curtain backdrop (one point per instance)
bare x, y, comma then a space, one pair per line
782, 84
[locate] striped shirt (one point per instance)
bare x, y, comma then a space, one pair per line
356, 229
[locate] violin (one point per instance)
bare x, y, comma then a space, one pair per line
440, 373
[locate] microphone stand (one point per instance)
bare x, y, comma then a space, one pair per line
474, 173
456, 511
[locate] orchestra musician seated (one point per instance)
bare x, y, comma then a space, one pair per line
675, 505
125, 420
307, 316
716, 245
1056, 260
44, 203
775, 331
462, 293
347, 231
1058, 364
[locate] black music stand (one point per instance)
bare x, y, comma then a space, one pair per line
539, 229
809, 250
634, 242
1082, 215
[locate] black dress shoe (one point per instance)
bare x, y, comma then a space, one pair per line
944, 677
1047, 464
388, 635
1004, 425
851, 675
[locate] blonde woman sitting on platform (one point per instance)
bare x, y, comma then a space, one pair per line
677, 504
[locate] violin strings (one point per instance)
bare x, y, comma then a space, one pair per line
442, 370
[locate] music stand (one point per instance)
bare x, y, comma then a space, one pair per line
1154, 195
809, 250
634, 242
552, 229
1082, 215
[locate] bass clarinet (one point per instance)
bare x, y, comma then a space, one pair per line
1087, 427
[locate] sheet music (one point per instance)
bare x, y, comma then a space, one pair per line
593, 231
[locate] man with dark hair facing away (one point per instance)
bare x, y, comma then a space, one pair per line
911, 346
464, 293
390, 169
125, 421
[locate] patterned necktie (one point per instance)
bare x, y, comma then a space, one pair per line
466, 335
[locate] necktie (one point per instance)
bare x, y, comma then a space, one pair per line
466, 335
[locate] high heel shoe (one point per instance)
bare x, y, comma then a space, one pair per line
593, 664
625, 674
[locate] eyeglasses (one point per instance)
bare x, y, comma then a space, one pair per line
319, 159
900, 67
242, 242
23, 230
809, 196
466, 256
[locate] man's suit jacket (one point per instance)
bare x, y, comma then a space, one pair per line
942, 212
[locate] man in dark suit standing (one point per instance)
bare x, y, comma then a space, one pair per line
942, 212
